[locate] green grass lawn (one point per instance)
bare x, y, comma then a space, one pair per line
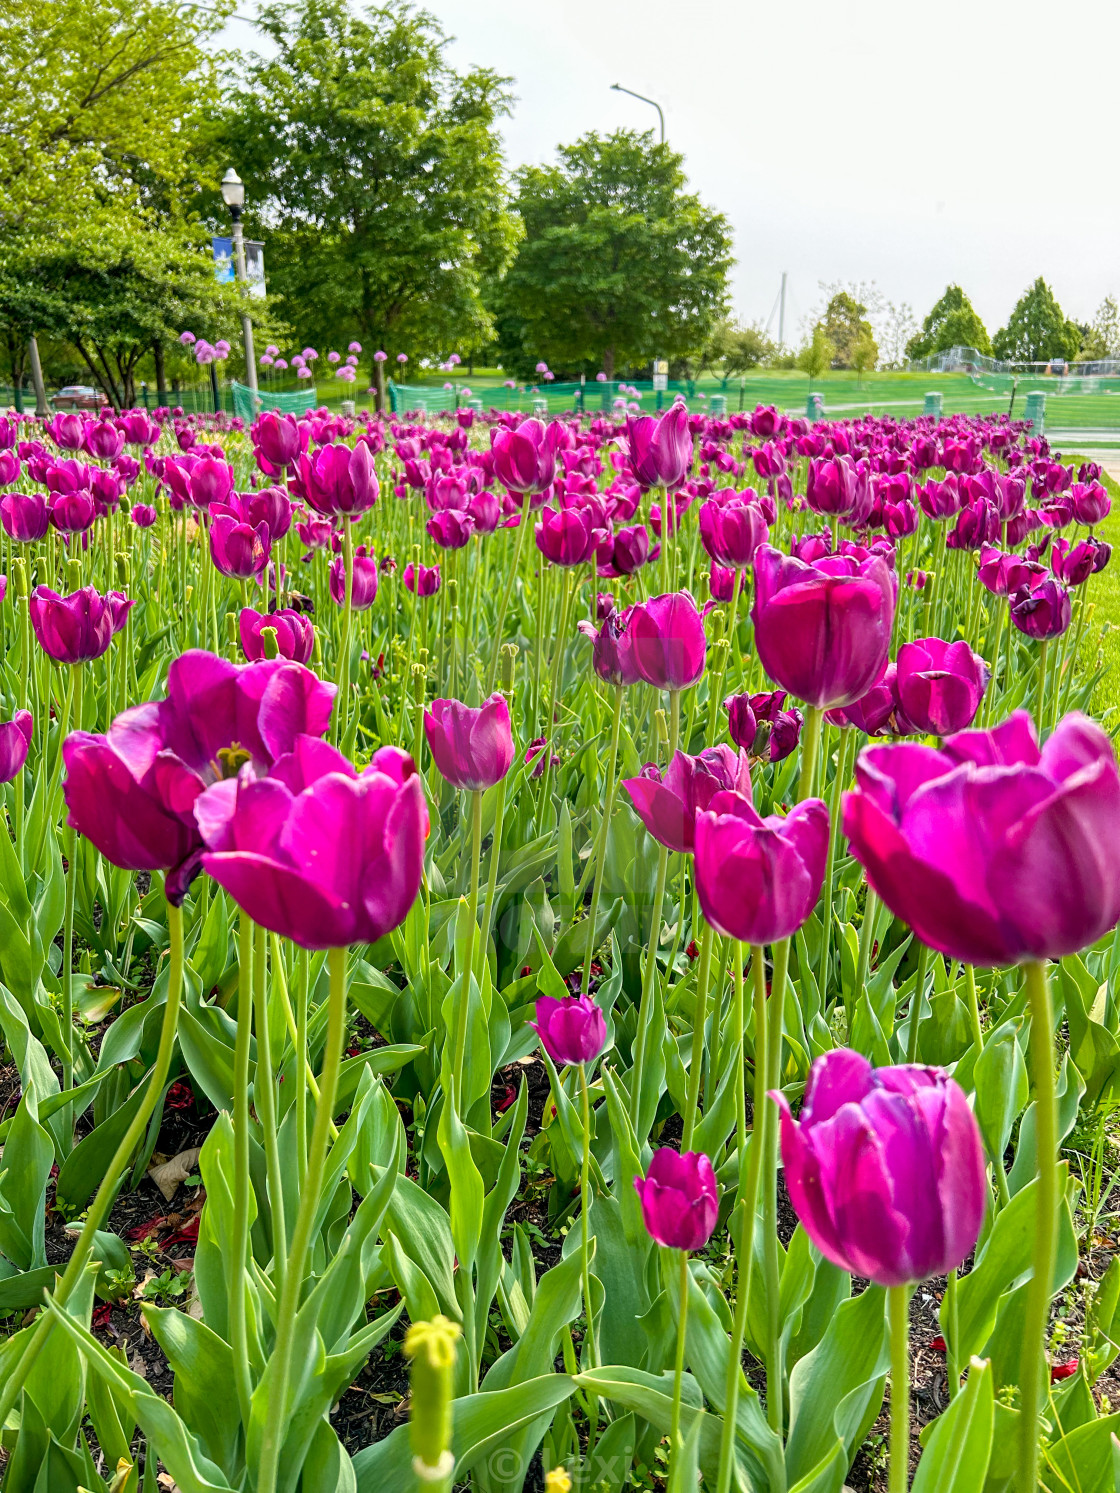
1102, 640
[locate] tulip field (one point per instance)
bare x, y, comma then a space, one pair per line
556, 954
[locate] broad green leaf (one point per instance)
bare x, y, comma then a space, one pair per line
956, 1456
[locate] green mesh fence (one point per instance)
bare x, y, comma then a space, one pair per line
248, 405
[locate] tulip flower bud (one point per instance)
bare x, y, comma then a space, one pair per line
453, 593
509, 663
662, 725
73, 575
231, 629
715, 627
268, 642
720, 650
123, 567
120, 1477
419, 683
431, 1348
19, 576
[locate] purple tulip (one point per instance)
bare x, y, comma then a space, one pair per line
9, 468
450, 529
77, 628
316, 851
742, 723
208, 481
872, 711
473, 749
295, 634
660, 448
1091, 502
143, 515
668, 805
885, 1168
939, 685
132, 792
732, 532
721, 582
15, 741
1002, 574
277, 438
525, 458
423, 580
668, 641
238, 549
138, 429
67, 431
1042, 608
363, 586
25, 516
103, 440
338, 480
832, 487
612, 654
572, 1030
271, 506
992, 850
568, 537
1073, 564
823, 631
680, 1199
758, 879
630, 549
940, 500
72, 512
977, 524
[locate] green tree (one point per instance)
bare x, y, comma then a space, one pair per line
865, 354
619, 263
953, 322
375, 171
817, 354
1037, 329
1102, 339
735, 348
846, 326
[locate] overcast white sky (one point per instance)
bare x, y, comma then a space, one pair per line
889, 140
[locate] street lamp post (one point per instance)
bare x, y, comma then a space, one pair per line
233, 195
618, 88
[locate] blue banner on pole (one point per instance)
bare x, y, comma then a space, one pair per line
223, 260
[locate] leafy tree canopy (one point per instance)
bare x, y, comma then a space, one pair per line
953, 322
1102, 339
845, 325
375, 172
619, 264
1037, 329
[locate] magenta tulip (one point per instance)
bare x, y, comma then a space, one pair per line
1042, 608
993, 850
77, 628
568, 536
668, 805
660, 447
363, 588
422, 580
680, 1199
823, 631
612, 654
473, 749
668, 641
525, 457
295, 634
758, 879
939, 685
25, 516
732, 532
885, 1168
15, 742
572, 1030
338, 480
238, 549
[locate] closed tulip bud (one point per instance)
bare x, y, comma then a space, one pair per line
525, 458
1091, 502
612, 653
19, 577
431, 1348
680, 1199
742, 724
572, 1030
885, 1168
122, 565
291, 635
660, 448
669, 645
732, 532
72, 629
832, 486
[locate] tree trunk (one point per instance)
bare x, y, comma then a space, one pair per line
608, 363
161, 377
42, 408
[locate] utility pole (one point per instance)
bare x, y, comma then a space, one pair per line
618, 88
782, 313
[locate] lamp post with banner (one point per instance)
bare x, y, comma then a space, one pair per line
233, 195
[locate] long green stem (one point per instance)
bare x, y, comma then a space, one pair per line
1032, 1361
840, 782
492, 878
675, 1443
916, 1004
601, 844
264, 1097
302, 995
585, 1220
898, 1307
504, 604
775, 1355
276, 1422
99, 1209
973, 1007
699, 1022
810, 749
344, 644
460, 1049
238, 1334
866, 935
750, 1170
556, 684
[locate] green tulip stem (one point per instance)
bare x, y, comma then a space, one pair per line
952, 1336
766, 1121
503, 605
750, 1170
1032, 1361
810, 749
839, 783
601, 844
866, 938
343, 712
98, 1210
492, 876
654, 933
238, 1333
1040, 707
460, 1049
264, 1099
916, 1003
898, 1311
973, 1008
276, 1421
585, 1219
676, 1446
556, 684
699, 1022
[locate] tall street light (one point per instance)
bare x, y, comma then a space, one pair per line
233, 195
618, 88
